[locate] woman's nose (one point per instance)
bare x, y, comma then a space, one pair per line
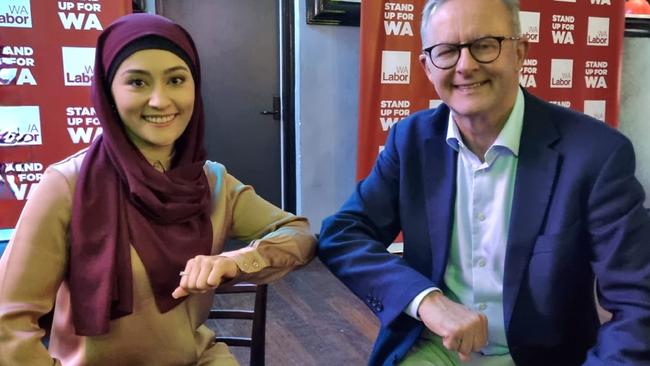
159, 98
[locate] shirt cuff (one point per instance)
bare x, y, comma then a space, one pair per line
248, 259
412, 308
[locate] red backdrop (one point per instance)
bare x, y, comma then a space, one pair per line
574, 61
46, 62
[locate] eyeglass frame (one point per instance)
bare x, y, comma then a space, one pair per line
468, 45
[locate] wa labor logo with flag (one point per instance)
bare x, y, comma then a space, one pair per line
15, 13
530, 25
78, 65
561, 73
20, 125
395, 67
598, 31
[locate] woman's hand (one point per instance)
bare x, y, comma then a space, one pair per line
204, 273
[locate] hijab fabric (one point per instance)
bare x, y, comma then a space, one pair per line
122, 201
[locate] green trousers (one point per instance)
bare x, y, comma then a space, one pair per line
429, 351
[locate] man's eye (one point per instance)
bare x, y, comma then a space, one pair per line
445, 51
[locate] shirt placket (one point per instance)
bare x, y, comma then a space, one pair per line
480, 270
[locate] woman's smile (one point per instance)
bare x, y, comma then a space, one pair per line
160, 120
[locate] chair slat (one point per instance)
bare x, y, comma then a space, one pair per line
234, 341
257, 315
231, 314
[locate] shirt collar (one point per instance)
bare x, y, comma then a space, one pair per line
510, 135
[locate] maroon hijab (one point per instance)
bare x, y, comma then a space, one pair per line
121, 200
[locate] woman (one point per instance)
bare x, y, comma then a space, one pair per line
108, 230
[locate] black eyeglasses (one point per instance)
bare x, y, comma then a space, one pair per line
484, 50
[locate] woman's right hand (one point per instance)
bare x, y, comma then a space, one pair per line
204, 273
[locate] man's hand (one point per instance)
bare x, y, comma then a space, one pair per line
204, 273
461, 329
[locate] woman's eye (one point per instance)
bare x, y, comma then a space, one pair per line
138, 83
177, 80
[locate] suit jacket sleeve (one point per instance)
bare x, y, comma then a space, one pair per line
353, 241
620, 233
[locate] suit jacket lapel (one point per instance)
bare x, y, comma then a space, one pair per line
536, 171
439, 182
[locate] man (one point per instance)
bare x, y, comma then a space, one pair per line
510, 209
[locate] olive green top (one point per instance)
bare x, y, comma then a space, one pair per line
33, 269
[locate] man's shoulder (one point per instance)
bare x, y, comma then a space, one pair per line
570, 124
425, 122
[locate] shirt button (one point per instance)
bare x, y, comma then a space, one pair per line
482, 306
255, 264
481, 217
481, 262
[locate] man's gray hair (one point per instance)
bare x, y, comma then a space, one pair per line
511, 5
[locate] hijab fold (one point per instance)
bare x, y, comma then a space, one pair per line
121, 201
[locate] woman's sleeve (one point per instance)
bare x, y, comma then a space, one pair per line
31, 271
280, 241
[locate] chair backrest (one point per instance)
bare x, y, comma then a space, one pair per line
257, 315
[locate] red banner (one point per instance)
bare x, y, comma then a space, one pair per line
46, 65
574, 61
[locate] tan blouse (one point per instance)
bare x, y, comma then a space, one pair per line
32, 276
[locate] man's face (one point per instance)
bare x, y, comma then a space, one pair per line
470, 88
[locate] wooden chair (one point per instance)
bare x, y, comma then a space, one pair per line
257, 315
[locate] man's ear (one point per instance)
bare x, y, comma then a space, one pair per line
522, 51
426, 64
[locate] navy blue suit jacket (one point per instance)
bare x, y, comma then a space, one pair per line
577, 215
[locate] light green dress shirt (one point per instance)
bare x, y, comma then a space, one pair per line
475, 268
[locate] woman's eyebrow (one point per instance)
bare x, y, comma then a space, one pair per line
146, 72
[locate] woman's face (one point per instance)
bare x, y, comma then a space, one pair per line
154, 95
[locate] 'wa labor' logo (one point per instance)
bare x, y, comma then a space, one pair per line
595, 108
78, 65
395, 67
598, 32
15, 13
529, 25
561, 73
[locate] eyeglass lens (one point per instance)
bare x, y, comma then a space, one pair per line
483, 50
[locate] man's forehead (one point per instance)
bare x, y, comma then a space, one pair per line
461, 23
481, 10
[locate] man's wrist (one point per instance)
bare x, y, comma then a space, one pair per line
414, 306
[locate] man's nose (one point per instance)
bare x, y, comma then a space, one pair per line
466, 61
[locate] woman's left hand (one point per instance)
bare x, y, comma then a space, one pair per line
204, 273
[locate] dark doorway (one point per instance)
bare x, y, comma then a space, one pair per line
239, 46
